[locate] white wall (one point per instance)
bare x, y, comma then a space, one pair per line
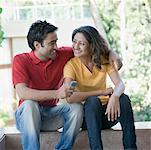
17, 31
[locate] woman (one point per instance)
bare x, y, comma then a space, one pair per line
89, 68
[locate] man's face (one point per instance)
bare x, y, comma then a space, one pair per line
48, 49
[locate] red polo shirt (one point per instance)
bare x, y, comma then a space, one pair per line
27, 68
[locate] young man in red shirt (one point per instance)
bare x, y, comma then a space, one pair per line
37, 77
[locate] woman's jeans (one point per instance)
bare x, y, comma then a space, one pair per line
96, 120
32, 118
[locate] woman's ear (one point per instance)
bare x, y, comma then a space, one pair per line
36, 44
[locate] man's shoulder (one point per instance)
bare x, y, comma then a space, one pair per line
21, 57
66, 51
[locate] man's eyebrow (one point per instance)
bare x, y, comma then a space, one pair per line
53, 41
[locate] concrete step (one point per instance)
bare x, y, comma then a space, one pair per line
112, 139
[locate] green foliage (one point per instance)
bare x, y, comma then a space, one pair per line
139, 25
110, 24
0, 10
142, 111
4, 118
138, 54
1, 32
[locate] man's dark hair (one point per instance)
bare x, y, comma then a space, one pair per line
38, 32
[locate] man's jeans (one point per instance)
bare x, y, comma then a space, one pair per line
31, 118
96, 120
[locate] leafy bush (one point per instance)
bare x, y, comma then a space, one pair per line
137, 53
1, 32
4, 118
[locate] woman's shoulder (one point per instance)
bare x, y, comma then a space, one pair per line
74, 62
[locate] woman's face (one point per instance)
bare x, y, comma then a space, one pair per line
80, 45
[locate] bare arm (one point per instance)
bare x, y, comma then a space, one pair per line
113, 107
119, 85
27, 93
81, 96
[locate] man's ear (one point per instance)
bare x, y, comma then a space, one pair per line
37, 44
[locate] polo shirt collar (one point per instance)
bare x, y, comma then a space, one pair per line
35, 59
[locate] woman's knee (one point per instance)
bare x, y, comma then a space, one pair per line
92, 102
125, 103
125, 100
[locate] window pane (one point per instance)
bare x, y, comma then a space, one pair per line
86, 11
61, 12
25, 14
77, 12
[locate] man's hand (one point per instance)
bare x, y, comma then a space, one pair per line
115, 60
113, 108
62, 92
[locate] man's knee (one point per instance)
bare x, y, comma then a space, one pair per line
28, 109
76, 110
30, 105
29, 113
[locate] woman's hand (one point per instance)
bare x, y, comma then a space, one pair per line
113, 108
108, 91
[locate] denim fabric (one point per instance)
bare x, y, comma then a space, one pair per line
95, 120
31, 118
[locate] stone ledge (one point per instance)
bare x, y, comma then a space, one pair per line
138, 126
112, 139
2, 139
1, 132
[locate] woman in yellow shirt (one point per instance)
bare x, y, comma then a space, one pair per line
89, 68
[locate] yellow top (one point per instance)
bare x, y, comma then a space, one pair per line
87, 80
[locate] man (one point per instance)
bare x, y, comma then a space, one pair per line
37, 77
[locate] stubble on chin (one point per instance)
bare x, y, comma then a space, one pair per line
53, 54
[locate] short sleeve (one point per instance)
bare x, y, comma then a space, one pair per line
19, 71
69, 70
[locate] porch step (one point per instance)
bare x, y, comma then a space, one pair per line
112, 139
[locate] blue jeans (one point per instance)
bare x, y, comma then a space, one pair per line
32, 118
95, 120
